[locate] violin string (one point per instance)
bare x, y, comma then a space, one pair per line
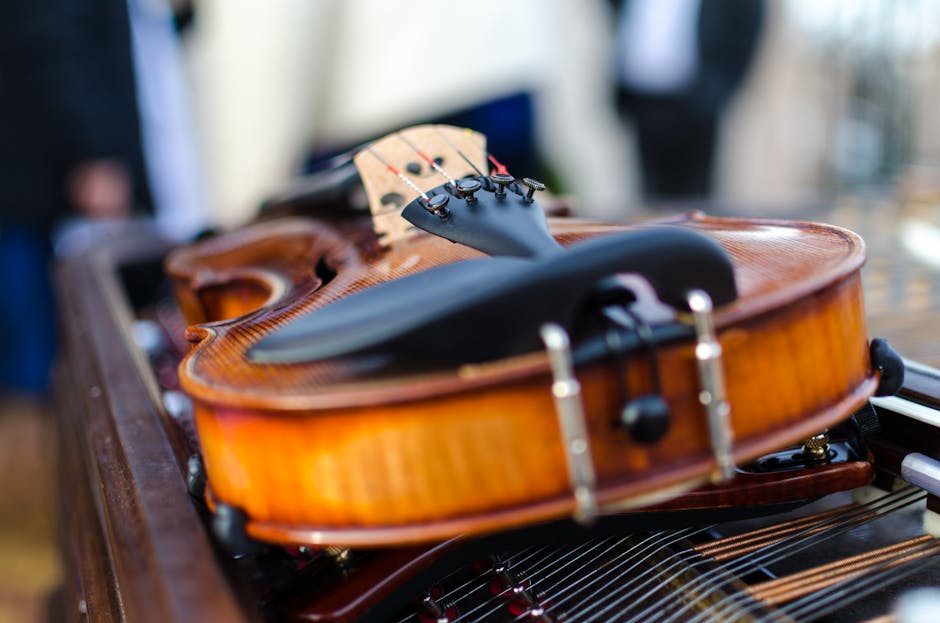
530, 572
850, 590
787, 547
459, 152
616, 574
430, 161
399, 174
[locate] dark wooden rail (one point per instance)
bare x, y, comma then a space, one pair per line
134, 545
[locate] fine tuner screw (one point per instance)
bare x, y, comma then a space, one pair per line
816, 448
533, 185
502, 180
437, 204
467, 188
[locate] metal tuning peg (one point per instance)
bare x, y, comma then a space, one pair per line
502, 180
533, 186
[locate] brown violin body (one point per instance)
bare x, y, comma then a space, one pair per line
344, 452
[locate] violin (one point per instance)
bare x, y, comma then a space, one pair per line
479, 367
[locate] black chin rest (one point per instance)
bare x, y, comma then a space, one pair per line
483, 309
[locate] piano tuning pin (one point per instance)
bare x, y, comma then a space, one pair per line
339, 555
430, 611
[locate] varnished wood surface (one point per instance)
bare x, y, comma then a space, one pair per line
136, 548
323, 453
793, 264
749, 489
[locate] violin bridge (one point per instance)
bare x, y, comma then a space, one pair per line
394, 171
571, 421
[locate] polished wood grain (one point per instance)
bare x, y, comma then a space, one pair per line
328, 453
135, 547
755, 489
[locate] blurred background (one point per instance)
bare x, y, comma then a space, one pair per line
811, 109
835, 94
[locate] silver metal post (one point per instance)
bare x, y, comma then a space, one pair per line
712, 393
571, 422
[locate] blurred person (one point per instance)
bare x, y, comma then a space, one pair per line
171, 158
278, 80
173, 169
678, 64
69, 144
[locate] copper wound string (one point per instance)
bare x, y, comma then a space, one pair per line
682, 566
796, 542
831, 599
558, 581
